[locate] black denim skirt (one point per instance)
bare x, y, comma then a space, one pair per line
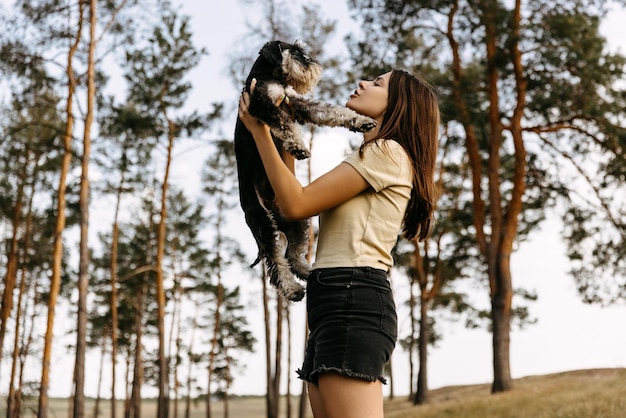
352, 323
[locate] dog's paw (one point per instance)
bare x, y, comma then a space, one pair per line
301, 269
300, 154
362, 124
294, 292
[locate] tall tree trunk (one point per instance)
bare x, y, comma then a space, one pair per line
500, 284
175, 354
128, 360
502, 295
504, 220
280, 307
6, 304
135, 397
113, 278
227, 379
194, 328
288, 394
500, 300
134, 410
96, 405
422, 393
57, 256
501, 319
27, 339
268, 345
24, 352
163, 402
114, 314
302, 404
214, 340
12, 404
11, 411
217, 320
411, 348
83, 271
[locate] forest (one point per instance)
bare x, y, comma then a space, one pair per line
111, 258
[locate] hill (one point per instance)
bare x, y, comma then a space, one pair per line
577, 394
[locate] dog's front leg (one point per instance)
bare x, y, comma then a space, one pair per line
326, 114
290, 137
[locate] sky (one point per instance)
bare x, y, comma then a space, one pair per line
569, 335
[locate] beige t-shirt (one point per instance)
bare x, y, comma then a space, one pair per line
362, 231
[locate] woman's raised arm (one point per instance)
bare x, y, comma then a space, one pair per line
295, 201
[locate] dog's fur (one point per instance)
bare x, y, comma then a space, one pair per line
283, 70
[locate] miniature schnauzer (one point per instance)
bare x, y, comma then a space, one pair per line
284, 72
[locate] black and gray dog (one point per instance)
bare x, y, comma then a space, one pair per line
284, 73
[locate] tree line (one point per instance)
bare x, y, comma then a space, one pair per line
533, 121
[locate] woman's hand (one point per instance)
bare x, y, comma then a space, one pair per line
251, 123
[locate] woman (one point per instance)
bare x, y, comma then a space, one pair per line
385, 186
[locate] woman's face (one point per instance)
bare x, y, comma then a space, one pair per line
370, 99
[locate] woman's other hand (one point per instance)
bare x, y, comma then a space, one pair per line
251, 123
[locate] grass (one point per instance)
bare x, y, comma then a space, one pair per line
598, 393
239, 407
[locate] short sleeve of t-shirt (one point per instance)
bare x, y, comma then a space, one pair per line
382, 164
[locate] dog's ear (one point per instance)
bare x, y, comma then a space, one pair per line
272, 51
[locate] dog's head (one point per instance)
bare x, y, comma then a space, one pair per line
289, 64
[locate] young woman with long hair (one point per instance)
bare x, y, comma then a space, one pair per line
383, 188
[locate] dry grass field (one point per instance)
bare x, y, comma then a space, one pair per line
239, 407
599, 393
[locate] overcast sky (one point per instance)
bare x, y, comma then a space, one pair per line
569, 334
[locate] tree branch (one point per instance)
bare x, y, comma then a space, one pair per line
603, 203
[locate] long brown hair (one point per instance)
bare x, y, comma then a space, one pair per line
412, 119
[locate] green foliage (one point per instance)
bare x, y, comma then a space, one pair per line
157, 68
573, 122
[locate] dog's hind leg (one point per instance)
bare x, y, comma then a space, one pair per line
297, 234
279, 270
272, 251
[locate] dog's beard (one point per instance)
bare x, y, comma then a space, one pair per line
303, 78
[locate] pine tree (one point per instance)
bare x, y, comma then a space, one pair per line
507, 84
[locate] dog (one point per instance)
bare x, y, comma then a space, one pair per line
284, 73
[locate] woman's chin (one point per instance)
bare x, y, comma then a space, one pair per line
350, 106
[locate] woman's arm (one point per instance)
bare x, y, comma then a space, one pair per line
289, 161
295, 201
